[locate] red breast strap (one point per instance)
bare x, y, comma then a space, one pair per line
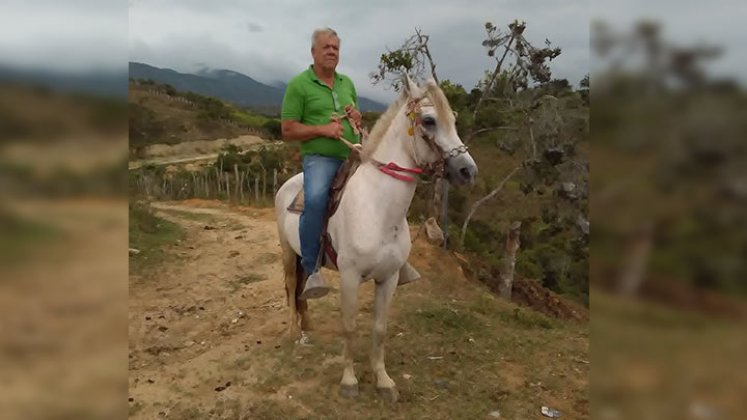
391, 169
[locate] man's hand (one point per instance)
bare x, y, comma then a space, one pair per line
354, 114
332, 130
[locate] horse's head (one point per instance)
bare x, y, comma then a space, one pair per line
433, 128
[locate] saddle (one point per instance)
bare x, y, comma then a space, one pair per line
346, 170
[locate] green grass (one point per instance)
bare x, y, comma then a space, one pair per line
151, 235
465, 359
521, 317
250, 119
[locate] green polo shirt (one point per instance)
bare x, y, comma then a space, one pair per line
309, 101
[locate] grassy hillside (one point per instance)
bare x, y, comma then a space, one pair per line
161, 115
553, 250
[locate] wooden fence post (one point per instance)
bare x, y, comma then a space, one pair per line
509, 260
238, 184
274, 182
264, 183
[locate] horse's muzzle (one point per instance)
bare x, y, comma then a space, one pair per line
461, 170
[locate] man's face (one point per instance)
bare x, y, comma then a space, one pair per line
326, 51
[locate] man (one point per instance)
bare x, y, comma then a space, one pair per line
311, 98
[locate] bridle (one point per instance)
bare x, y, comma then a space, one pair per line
435, 168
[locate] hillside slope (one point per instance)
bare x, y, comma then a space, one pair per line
161, 115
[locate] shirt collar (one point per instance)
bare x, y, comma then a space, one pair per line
314, 77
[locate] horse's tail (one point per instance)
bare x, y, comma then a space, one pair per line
293, 273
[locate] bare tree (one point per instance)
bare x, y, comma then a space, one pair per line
529, 63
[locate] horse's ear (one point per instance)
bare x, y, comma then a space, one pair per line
410, 88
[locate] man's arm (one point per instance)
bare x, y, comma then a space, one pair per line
295, 131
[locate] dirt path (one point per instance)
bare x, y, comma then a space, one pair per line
196, 322
221, 297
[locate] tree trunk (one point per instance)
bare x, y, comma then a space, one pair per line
509, 260
256, 190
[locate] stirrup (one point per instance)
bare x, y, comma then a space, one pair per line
407, 274
315, 287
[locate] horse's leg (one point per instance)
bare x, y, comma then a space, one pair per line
290, 271
349, 283
302, 307
384, 294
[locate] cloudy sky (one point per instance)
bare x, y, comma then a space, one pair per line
688, 22
270, 40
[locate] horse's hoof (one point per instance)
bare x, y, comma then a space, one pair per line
349, 391
390, 395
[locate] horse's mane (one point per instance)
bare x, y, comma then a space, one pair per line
382, 124
434, 96
440, 102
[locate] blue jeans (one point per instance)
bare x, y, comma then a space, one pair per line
318, 173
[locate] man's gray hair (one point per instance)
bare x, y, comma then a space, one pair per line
320, 31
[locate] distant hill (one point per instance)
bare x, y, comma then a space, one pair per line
229, 86
159, 114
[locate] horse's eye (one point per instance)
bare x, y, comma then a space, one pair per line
429, 121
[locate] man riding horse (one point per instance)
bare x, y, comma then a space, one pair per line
311, 100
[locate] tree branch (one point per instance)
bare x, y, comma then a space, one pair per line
479, 202
427, 52
484, 130
488, 85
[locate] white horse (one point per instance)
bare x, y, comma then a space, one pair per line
369, 230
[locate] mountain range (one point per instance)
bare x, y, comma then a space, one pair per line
228, 85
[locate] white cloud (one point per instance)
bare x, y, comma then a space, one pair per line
68, 36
